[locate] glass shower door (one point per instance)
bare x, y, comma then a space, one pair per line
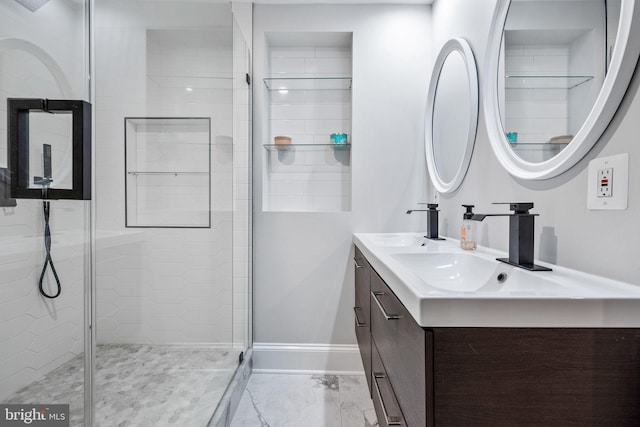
45, 272
167, 345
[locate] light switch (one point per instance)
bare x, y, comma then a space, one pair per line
608, 185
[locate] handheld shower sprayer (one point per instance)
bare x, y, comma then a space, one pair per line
45, 181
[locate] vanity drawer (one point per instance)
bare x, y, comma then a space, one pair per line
362, 311
384, 400
402, 346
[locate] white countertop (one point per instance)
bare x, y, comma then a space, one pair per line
559, 298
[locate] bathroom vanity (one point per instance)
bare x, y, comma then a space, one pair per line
471, 348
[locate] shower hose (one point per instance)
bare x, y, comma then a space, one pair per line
48, 260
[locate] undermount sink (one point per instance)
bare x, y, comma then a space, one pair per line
454, 271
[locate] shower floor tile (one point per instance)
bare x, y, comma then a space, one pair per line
281, 400
141, 385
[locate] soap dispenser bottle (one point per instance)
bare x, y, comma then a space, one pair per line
468, 233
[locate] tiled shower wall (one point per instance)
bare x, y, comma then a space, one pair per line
164, 286
36, 334
309, 179
241, 178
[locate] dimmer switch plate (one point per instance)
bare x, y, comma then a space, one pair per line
608, 186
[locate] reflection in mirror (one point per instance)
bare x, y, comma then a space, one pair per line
554, 60
569, 65
452, 115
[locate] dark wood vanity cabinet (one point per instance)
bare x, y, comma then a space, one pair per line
493, 376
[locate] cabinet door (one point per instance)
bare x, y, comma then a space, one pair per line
543, 377
403, 347
384, 399
362, 312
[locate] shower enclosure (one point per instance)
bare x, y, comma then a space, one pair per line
45, 344
153, 316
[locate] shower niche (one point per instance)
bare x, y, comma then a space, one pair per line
168, 172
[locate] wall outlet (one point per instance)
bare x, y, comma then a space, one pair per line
605, 182
608, 186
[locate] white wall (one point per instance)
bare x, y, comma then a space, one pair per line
36, 334
568, 234
303, 274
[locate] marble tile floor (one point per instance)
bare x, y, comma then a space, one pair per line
281, 400
141, 385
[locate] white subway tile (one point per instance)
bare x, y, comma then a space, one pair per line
550, 95
328, 66
333, 52
287, 66
288, 127
291, 52
518, 64
547, 50
550, 64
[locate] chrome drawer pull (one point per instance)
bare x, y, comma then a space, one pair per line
355, 261
358, 322
391, 420
386, 315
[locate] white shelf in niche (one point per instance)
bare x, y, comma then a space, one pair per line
168, 178
544, 82
174, 173
284, 147
307, 83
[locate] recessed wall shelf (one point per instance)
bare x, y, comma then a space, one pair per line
307, 83
168, 178
136, 173
307, 97
545, 82
279, 147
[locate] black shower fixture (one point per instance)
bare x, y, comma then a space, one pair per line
19, 146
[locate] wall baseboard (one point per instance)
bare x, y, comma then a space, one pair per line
339, 359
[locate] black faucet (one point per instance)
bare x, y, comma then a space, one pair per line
521, 235
432, 220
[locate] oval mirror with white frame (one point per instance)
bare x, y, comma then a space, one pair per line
452, 115
556, 74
